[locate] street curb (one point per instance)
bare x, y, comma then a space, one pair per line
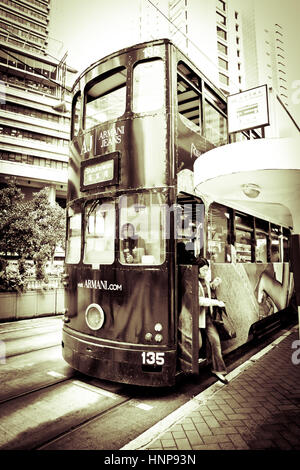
145, 439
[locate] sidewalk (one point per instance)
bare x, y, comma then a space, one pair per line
258, 410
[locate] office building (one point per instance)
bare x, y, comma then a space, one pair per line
229, 40
34, 127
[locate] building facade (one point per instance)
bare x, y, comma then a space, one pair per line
34, 127
230, 40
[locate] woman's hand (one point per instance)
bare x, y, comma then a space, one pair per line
215, 283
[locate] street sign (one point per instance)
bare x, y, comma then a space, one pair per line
248, 109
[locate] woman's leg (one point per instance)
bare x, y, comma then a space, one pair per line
218, 364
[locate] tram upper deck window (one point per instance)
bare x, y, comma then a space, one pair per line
148, 86
99, 233
218, 233
142, 229
261, 238
189, 97
73, 245
106, 98
244, 238
215, 118
75, 126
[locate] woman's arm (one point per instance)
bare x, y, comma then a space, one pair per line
207, 302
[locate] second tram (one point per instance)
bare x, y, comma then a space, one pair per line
140, 118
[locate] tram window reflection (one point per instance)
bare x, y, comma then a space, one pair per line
244, 238
261, 237
99, 233
148, 86
218, 233
73, 246
275, 243
142, 230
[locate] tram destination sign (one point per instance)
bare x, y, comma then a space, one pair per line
99, 171
248, 109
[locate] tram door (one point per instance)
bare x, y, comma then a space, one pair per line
189, 238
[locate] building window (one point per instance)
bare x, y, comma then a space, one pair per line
237, 40
222, 48
221, 18
222, 5
221, 33
223, 79
236, 15
223, 63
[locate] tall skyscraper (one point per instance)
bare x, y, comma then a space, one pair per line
229, 40
34, 130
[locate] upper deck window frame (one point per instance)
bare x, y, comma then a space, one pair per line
138, 99
186, 77
102, 87
75, 102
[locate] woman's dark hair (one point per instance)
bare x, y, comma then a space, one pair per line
201, 262
126, 227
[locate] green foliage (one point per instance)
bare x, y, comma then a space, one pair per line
30, 230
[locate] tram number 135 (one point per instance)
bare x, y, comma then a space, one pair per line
151, 358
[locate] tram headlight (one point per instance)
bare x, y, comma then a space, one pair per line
148, 336
158, 327
94, 317
158, 338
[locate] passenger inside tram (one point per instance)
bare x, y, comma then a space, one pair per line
132, 245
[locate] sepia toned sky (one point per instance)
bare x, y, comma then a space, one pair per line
91, 29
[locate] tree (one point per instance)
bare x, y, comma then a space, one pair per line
30, 230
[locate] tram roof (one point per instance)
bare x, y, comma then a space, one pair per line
154, 42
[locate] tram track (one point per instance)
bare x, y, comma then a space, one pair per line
46, 414
77, 412
51, 443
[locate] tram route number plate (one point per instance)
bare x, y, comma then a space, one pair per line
99, 171
152, 358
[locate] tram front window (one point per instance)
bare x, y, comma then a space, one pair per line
142, 229
73, 247
106, 99
148, 86
99, 233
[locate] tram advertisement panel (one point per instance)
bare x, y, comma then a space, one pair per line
251, 292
